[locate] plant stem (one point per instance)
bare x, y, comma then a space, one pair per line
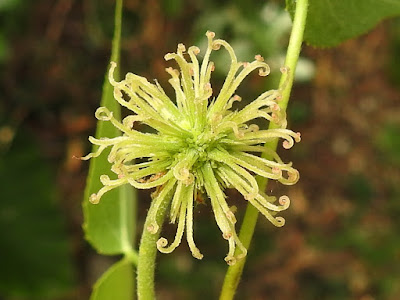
132, 256
234, 272
147, 255
115, 51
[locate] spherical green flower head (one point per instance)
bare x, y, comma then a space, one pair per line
200, 145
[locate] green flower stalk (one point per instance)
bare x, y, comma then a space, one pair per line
200, 147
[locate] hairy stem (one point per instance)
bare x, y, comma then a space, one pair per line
234, 272
147, 255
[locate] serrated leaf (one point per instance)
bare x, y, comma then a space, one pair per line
116, 283
330, 22
108, 225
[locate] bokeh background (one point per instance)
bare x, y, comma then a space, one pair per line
341, 239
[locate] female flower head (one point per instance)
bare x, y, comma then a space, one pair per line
200, 145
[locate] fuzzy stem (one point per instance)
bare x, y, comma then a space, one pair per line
234, 272
147, 254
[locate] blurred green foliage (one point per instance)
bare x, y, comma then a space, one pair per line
35, 248
388, 143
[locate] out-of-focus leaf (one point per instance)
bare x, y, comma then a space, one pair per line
4, 49
109, 225
330, 22
291, 6
116, 283
388, 143
35, 262
8, 4
172, 8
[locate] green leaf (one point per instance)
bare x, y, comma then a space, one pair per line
35, 252
330, 22
109, 225
116, 283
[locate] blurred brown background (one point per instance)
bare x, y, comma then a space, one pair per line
341, 238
